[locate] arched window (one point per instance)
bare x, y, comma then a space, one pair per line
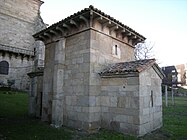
4, 67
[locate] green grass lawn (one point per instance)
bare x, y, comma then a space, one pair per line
16, 125
175, 117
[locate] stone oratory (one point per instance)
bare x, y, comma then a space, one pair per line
91, 79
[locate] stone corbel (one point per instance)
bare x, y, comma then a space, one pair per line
60, 29
67, 27
136, 41
129, 34
106, 24
22, 56
42, 37
74, 23
125, 33
10, 55
84, 19
47, 35
120, 31
97, 19
16, 55
32, 57
28, 57
113, 28
53, 32
91, 18
133, 37
91, 13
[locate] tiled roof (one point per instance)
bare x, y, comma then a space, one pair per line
128, 67
91, 8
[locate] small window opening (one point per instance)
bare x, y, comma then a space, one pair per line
116, 50
151, 98
34, 51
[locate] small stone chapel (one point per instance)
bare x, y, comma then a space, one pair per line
91, 79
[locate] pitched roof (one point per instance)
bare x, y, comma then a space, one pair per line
131, 68
84, 12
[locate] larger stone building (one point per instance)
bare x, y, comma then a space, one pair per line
19, 52
91, 78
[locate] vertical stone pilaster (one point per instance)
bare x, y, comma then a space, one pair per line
35, 95
58, 81
32, 97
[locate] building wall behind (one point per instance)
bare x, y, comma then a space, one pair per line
19, 20
18, 68
21, 9
181, 74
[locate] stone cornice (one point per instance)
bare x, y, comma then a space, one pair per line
16, 51
35, 74
87, 19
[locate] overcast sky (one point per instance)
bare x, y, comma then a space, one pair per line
162, 22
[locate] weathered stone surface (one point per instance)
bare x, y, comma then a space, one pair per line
57, 114
104, 101
73, 64
19, 21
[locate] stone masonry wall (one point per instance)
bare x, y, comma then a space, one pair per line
86, 54
19, 20
35, 98
101, 56
66, 81
48, 82
150, 105
119, 102
132, 105
17, 67
22, 9
76, 77
72, 86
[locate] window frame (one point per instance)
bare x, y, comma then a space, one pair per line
4, 67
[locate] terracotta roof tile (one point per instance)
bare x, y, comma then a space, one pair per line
128, 67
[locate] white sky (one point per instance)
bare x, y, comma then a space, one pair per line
163, 22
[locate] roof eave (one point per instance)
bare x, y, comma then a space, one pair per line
119, 75
91, 9
158, 71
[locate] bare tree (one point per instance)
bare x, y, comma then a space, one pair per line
144, 51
